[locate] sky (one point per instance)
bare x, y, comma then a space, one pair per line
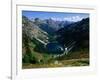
58, 16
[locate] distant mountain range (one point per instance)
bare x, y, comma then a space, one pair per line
49, 25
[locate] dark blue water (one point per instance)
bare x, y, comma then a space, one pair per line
55, 48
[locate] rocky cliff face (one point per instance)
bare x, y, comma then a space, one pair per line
30, 31
78, 31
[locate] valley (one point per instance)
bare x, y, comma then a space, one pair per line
45, 43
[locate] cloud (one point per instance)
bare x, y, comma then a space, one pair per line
56, 19
73, 18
